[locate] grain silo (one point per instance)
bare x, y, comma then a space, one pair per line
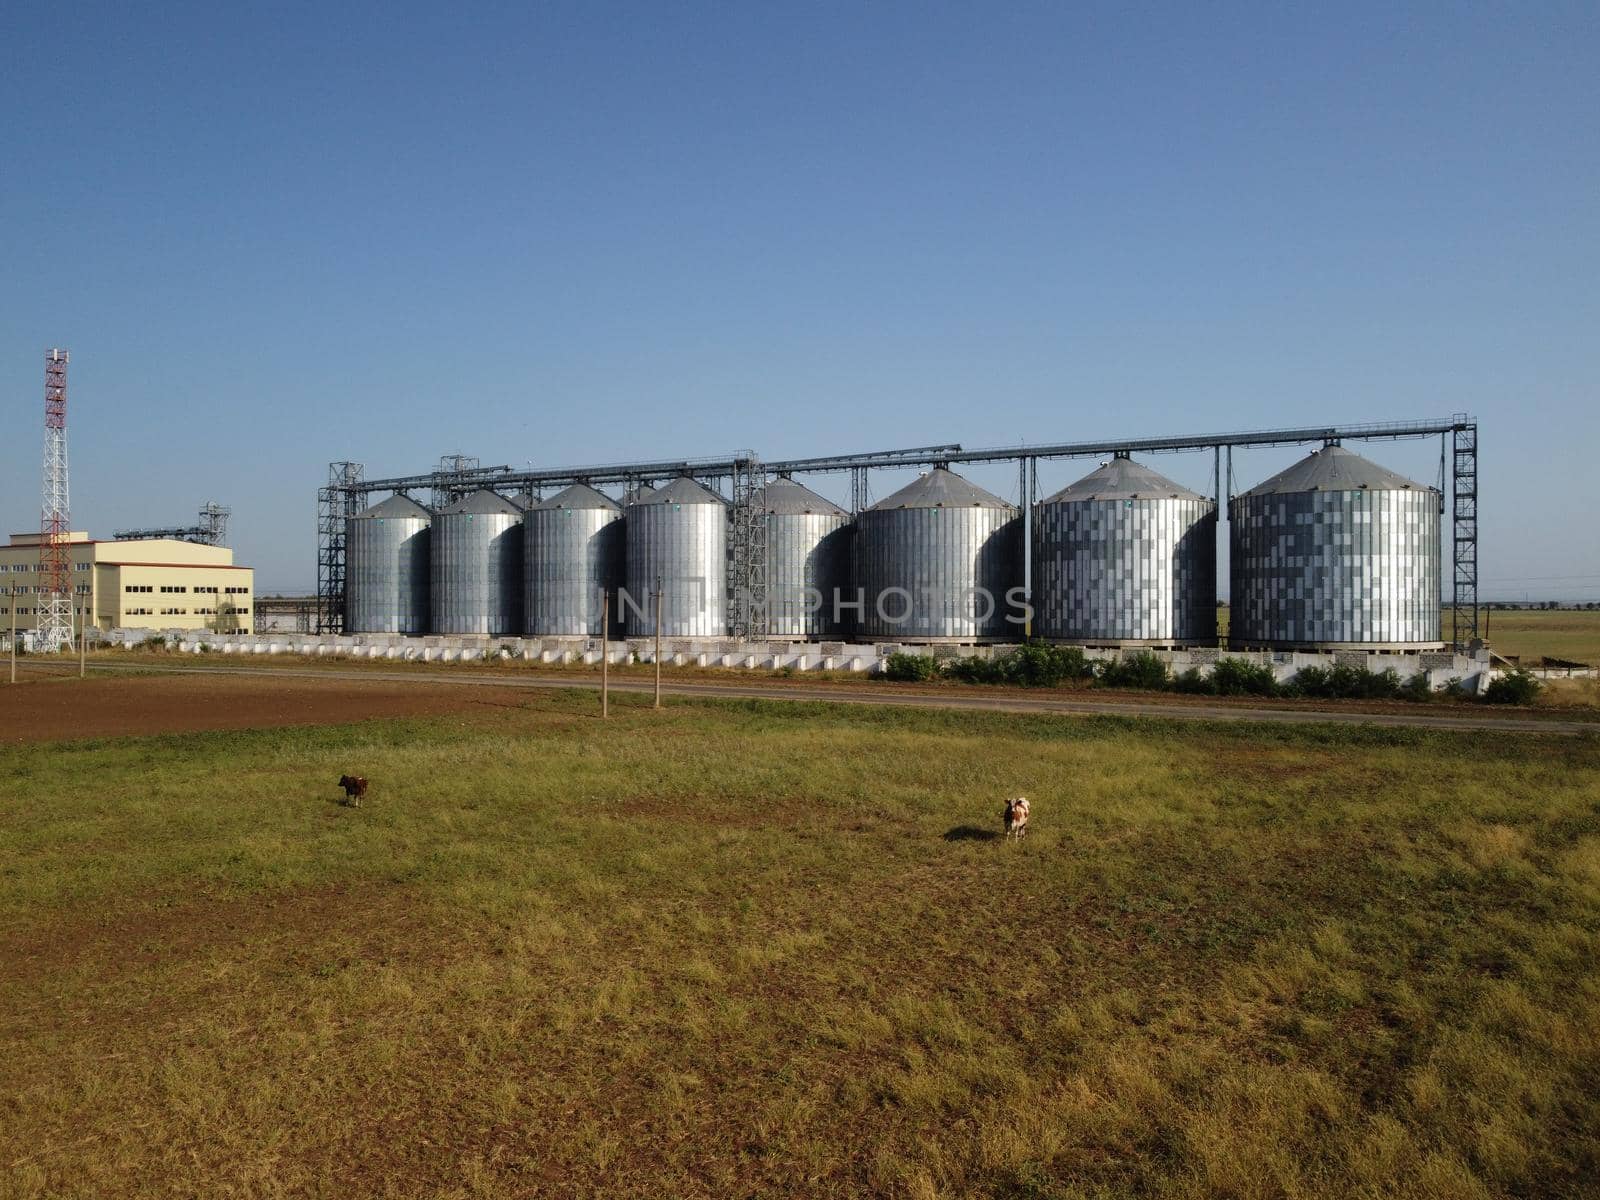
936, 561
386, 568
808, 560
1125, 556
477, 566
572, 548
677, 534
1335, 552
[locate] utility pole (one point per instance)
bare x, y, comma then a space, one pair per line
83, 639
658, 641
605, 657
13, 633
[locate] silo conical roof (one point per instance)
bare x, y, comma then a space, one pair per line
482, 503
1123, 479
1334, 469
579, 495
681, 490
785, 496
941, 488
396, 507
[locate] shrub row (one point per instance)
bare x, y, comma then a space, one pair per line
1031, 665
1038, 665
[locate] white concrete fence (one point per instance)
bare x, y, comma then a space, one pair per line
1442, 669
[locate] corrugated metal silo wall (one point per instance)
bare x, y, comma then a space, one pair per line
1335, 567
942, 557
686, 546
808, 560
386, 575
569, 555
477, 573
1126, 570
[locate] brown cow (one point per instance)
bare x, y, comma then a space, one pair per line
355, 787
1016, 817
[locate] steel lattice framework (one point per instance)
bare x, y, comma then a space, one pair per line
748, 514
347, 491
338, 501
54, 591
209, 529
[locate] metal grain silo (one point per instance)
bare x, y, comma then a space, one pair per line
935, 562
808, 560
1125, 556
679, 535
572, 547
477, 566
386, 568
1335, 552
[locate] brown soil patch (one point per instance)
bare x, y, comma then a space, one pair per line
42, 708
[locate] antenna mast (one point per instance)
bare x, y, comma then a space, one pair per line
55, 568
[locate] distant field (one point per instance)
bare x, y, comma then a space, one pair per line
751, 949
1531, 634
1526, 633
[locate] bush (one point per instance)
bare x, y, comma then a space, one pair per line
1241, 677
1194, 683
910, 668
1416, 688
975, 670
1342, 682
1141, 670
1514, 687
1036, 664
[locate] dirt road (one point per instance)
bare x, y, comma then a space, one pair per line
347, 693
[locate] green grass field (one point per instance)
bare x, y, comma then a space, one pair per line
758, 949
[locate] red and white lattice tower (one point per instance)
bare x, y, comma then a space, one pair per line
55, 567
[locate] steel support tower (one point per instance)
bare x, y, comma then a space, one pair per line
454, 479
749, 531
339, 500
1464, 535
55, 588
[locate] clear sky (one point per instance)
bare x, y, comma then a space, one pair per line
276, 235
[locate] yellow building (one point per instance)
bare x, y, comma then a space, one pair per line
155, 583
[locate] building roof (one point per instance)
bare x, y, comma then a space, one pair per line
482, 503
117, 562
681, 490
395, 508
33, 537
1123, 479
941, 488
579, 495
785, 496
1334, 469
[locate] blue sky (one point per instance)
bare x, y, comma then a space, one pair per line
562, 233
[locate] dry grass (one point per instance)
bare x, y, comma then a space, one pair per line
1532, 634
752, 949
1528, 634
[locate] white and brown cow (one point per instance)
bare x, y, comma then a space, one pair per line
1016, 817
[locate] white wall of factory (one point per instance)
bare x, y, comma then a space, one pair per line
146, 583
